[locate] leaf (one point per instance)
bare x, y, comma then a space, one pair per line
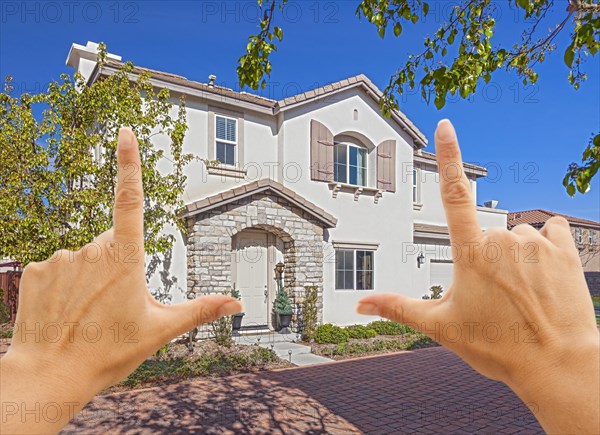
569, 56
571, 190
381, 32
425, 9
397, 29
278, 33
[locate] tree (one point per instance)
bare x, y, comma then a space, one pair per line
58, 154
460, 55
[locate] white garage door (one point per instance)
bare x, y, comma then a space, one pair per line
440, 274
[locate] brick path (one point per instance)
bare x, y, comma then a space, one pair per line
426, 391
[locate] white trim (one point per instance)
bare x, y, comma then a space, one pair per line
361, 246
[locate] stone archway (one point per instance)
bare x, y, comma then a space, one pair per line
210, 236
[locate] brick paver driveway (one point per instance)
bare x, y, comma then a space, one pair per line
426, 391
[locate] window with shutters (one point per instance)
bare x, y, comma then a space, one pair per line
350, 164
354, 269
226, 139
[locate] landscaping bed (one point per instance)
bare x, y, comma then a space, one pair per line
175, 363
377, 337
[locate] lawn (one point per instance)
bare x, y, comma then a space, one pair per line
596, 301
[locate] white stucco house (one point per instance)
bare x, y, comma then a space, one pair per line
346, 198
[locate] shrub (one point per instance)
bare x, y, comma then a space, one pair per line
329, 333
385, 327
282, 303
309, 315
436, 291
360, 331
222, 329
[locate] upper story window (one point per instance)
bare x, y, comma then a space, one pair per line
350, 164
578, 235
226, 139
593, 237
354, 269
415, 186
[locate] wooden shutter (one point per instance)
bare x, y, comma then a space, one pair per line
321, 152
386, 165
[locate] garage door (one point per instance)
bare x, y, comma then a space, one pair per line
440, 274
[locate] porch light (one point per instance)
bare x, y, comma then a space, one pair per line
279, 267
420, 260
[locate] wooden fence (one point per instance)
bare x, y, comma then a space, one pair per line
9, 283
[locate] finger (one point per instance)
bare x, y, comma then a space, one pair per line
174, 320
525, 230
455, 188
419, 314
557, 230
128, 213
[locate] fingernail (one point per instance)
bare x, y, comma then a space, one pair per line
445, 130
367, 309
230, 308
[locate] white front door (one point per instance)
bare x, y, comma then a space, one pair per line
251, 277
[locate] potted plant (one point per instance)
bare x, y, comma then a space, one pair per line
236, 318
283, 308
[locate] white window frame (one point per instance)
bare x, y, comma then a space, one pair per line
592, 237
366, 167
578, 235
354, 269
229, 142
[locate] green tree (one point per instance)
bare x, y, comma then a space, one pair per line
462, 54
58, 154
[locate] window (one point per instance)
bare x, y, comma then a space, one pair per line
578, 235
593, 237
350, 164
226, 139
415, 186
354, 269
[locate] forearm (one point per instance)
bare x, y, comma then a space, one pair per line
565, 394
34, 402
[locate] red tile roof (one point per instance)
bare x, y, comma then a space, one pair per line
538, 217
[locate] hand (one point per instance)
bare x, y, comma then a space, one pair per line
86, 319
518, 309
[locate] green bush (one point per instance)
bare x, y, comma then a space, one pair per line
309, 312
282, 304
4, 318
386, 327
332, 334
360, 331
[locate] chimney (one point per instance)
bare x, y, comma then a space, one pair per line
491, 204
211, 80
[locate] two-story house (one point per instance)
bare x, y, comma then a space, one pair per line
344, 197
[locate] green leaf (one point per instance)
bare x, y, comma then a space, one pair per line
569, 56
397, 29
278, 33
571, 190
381, 32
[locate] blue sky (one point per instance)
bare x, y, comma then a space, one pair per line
525, 135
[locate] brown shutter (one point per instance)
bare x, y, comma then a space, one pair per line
386, 165
321, 152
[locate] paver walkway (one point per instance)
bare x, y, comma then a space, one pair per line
426, 391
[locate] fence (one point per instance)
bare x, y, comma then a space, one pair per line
9, 282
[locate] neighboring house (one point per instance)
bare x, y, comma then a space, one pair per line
586, 233
346, 198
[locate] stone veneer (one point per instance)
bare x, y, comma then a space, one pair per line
209, 244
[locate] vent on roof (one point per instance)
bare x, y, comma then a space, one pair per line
211, 80
491, 204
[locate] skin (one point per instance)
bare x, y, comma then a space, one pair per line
57, 361
526, 321
518, 310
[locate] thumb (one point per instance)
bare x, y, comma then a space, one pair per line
418, 314
174, 320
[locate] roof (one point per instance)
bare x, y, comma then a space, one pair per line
426, 228
538, 217
259, 186
430, 158
360, 81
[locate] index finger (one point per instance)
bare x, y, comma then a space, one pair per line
455, 188
128, 212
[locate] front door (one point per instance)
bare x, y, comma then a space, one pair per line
251, 277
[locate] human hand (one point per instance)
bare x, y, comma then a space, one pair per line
518, 309
86, 319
